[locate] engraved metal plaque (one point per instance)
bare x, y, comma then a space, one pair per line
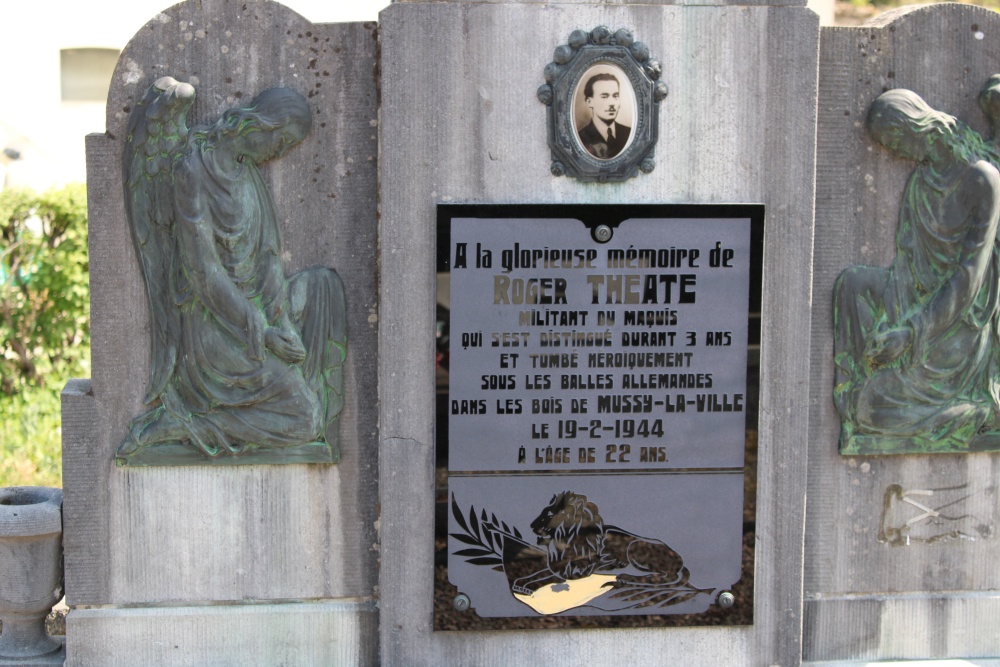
598, 407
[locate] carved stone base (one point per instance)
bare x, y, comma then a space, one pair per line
294, 634
55, 659
180, 454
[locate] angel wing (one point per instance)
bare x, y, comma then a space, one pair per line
156, 138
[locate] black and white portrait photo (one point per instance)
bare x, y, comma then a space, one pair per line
603, 111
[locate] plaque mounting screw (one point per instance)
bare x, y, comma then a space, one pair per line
462, 602
603, 233
726, 600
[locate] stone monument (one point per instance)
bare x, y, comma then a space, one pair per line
268, 467
461, 124
193, 562
898, 548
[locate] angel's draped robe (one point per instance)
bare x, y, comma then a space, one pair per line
943, 285
228, 263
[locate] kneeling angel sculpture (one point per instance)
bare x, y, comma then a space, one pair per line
916, 348
246, 363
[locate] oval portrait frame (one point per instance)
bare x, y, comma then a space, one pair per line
601, 50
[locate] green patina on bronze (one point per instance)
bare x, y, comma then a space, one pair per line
246, 363
917, 354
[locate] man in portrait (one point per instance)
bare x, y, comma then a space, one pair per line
603, 137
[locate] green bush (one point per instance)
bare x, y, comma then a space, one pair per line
44, 325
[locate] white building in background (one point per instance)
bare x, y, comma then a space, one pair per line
56, 61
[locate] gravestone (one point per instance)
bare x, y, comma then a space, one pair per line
462, 124
899, 548
262, 563
458, 180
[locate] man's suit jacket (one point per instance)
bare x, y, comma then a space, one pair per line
599, 146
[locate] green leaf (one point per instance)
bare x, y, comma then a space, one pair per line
485, 561
488, 537
473, 552
473, 521
44, 325
458, 514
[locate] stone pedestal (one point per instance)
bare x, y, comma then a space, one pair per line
31, 573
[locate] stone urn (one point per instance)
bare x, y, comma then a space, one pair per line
31, 569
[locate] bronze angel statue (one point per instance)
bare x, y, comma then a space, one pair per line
244, 360
916, 352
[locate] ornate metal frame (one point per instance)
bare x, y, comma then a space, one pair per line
562, 77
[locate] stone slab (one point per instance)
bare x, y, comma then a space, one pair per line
295, 634
943, 53
738, 126
978, 662
902, 627
87, 572
181, 535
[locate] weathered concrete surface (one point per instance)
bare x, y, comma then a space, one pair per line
303, 634
867, 599
979, 662
898, 626
57, 659
460, 123
84, 486
787, 3
182, 536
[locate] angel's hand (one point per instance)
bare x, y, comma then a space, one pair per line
286, 345
888, 345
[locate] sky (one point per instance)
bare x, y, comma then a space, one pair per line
98, 18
